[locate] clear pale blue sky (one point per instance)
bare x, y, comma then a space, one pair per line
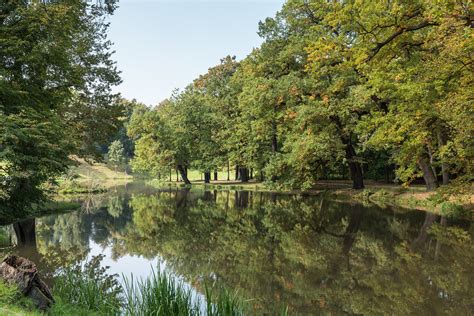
165, 44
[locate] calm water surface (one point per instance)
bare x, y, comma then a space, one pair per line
309, 253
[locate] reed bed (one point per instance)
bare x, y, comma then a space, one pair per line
90, 288
158, 295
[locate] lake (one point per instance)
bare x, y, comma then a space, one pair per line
313, 254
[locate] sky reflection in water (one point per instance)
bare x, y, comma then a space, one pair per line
310, 253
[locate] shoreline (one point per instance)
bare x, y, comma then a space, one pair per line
414, 197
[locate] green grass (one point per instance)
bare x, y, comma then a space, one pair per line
162, 295
158, 295
8, 294
222, 302
12, 302
88, 287
86, 171
74, 187
59, 206
88, 290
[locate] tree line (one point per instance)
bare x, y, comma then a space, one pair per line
379, 90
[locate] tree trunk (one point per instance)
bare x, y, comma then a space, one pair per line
182, 198
244, 174
207, 177
25, 232
207, 196
430, 178
444, 166
274, 138
445, 173
354, 167
215, 175
228, 171
236, 172
24, 274
170, 175
420, 240
184, 176
355, 219
443, 223
177, 176
251, 173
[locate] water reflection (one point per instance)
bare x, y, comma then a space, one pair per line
310, 253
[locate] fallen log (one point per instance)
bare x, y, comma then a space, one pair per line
23, 273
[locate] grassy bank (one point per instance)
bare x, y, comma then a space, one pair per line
89, 290
47, 208
90, 178
382, 194
97, 177
85, 171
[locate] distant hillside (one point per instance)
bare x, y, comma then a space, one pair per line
87, 171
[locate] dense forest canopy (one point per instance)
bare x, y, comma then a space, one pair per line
336, 88
56, 76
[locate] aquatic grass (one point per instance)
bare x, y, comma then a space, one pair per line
88, 287
88, 290
161, 294
284, 311
158, 295
223, 303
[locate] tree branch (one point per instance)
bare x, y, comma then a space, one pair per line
398, 32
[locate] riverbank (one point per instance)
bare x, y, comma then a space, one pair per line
382, 194
89, 290
97, 178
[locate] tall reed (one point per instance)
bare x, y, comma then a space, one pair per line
221, 302
90, 288
159, 295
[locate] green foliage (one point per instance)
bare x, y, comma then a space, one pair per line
74, 187
451, 236
453, 210
223, 303
4, 237
160, 295
116, 154
277, 249
156, 148
89, 287
56, 76
8, 294
12, 302
333, 85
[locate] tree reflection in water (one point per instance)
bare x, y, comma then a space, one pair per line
310, 253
